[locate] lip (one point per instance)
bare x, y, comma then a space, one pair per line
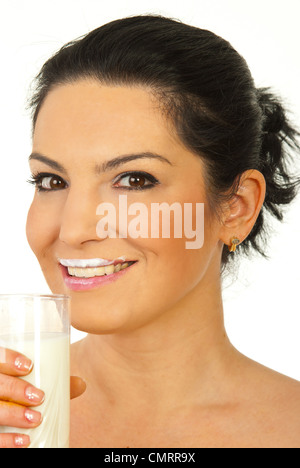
90, 262
85, 284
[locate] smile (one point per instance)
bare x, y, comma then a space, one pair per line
100, 271
84, 274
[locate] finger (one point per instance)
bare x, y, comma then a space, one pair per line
14, 440
14, 363
78, 387
15, 415
20, 391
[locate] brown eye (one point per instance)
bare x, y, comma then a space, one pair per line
45, 182
136, 181
51, 183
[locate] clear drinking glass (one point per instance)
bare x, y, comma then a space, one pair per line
38, 326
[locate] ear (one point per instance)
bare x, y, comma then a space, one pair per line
242, 211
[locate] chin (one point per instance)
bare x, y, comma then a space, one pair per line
97, 318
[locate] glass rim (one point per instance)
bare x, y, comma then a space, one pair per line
34, 296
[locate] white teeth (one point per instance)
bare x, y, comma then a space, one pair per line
100, 271
109, 269
88, 263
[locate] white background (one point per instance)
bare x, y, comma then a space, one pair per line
262, 310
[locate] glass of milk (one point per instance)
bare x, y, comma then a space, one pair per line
38, 326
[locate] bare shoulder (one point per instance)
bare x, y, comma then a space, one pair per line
274, 403
273, 384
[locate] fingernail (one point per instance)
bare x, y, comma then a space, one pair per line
22, 363
34, 394
22, 440
33, 417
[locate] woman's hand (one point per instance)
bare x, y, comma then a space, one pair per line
78, 387
18, 398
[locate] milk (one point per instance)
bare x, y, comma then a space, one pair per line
51, 374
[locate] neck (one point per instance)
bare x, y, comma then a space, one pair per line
174, 359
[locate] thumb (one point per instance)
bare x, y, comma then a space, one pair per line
78, 386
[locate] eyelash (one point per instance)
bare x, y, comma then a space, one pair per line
37, 180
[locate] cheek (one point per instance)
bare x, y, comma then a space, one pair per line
168, 273
174, 265
176, 270
172, 270
41, 228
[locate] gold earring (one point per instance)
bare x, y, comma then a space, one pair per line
234, 241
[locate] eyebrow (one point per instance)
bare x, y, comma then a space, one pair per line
48, 161
104, 167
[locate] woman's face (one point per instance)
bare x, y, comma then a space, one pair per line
83, 133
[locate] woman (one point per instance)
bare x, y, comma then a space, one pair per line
161, 112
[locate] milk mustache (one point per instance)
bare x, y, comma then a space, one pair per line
52, 375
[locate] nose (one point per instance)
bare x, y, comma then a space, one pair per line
78, 219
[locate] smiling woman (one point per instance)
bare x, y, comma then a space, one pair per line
167, 114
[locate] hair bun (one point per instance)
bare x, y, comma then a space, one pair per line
278, 137
273, 112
